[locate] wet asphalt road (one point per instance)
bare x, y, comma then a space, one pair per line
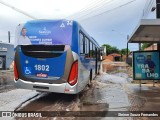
85, 101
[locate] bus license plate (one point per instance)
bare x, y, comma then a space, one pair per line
42, 75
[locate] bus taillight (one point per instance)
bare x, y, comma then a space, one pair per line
73, 74
15, 71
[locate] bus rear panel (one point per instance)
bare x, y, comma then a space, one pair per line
51, 60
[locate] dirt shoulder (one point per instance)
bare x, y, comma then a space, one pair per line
6, 80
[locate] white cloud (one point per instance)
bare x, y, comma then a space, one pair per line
50, 8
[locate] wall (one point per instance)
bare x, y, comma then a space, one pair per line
147, 13
152, 47
9, 53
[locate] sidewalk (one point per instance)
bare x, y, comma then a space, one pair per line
10, 100
6, 80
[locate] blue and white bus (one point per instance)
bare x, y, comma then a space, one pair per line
55, 56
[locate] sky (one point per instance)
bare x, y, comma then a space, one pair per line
108, 21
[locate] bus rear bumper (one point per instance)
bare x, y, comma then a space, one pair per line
46, 87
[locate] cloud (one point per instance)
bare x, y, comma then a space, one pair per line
113, 27
109, 28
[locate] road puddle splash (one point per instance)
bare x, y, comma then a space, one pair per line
93, 106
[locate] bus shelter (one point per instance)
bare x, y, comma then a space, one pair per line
146, 64
148, 31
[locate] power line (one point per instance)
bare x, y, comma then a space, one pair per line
109, 10
97, 10
94, 5
18, 10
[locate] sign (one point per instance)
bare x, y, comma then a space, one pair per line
27, 70
42, 75
48, 32
146, 65
3, 49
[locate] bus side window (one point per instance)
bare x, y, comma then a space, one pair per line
86, 47
81, 43
98, 55
94, 51
91, 50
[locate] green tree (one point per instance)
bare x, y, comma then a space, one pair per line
110, 49
145, 45
124, 51
115, 50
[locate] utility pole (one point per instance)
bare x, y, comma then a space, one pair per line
139, 46
9, 36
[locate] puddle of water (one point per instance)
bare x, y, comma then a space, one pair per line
92, 95
88, 102
144, 98
94, 107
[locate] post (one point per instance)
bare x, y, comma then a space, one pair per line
140, 50
153, 83
127, 46
9, 36
158, 46
127, 51
139, 46
106, 50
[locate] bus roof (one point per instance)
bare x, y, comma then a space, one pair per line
48, 32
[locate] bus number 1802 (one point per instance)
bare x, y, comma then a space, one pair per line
41, 67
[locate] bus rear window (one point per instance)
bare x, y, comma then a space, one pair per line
43, 51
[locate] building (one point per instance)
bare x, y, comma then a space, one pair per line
6, 55
152, 47
113, 57
148, 29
